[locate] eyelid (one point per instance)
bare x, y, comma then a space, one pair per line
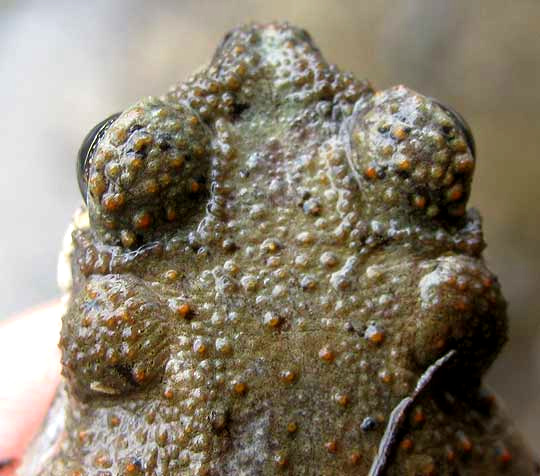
87, 149
462, 124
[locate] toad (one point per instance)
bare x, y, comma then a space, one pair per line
275, 272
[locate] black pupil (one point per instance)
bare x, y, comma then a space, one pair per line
462, 124
87, 150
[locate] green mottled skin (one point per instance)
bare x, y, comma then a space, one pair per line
275, 254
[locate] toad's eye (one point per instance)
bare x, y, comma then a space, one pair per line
88, 148
462, 124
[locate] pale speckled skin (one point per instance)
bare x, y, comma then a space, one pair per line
275, 254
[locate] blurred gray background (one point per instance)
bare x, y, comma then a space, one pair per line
64, 66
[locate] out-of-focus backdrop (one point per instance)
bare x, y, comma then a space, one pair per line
66, 65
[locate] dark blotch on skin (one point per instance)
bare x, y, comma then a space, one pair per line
5, 463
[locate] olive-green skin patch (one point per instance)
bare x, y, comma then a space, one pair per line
272, 257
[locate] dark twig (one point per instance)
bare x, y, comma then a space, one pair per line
399, 414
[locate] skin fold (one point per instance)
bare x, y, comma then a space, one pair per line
275, 272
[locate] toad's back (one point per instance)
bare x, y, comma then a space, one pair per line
271, 257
